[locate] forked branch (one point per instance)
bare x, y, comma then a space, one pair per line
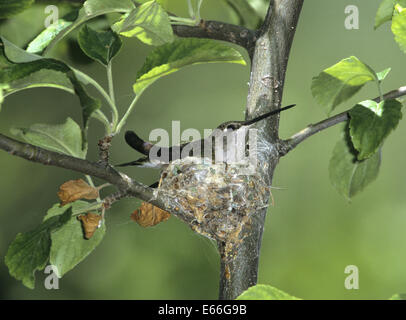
127, 187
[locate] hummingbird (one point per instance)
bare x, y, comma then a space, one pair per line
154, 154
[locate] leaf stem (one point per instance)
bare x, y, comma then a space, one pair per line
89, 80
128, 112
90, 181
191, 10
182, 21
111, 94
95, 84
103, 186
199, 4
99, 115
378, 82
195, 14
96, 206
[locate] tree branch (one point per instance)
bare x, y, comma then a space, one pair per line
127, 186
215, 30
269, 63
239, 35
287, 145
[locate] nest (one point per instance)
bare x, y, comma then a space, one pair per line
216, 200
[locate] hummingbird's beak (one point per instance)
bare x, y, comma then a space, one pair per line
266, 115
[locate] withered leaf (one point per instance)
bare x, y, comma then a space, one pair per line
148, 215
90, 223
73, 190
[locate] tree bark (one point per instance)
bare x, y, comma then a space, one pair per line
269, 63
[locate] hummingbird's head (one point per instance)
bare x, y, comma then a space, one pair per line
230, 126
235, 125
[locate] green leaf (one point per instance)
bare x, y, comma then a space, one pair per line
399, 296
382, 75
22, 27
88, 103
68, 245
16, 54
171, 57
247, 15
260, 7
25, 70
98, 7
92, 9
41, 41
149, 23
9, 8
265, 292
371, 123
349, 175
65, 138
340, 82
42, 78
29, 251
385, 11
99, 45
399, 29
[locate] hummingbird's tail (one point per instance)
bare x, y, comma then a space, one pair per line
137, 143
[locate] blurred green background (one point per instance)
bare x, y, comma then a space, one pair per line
311, 233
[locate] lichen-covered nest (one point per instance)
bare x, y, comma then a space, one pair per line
217, 198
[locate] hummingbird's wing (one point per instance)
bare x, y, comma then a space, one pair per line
154, 185
144, 147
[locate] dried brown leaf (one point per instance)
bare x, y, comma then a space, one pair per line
148, 215
90, 223
73, 190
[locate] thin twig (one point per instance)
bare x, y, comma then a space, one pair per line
287, 145
104, 147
